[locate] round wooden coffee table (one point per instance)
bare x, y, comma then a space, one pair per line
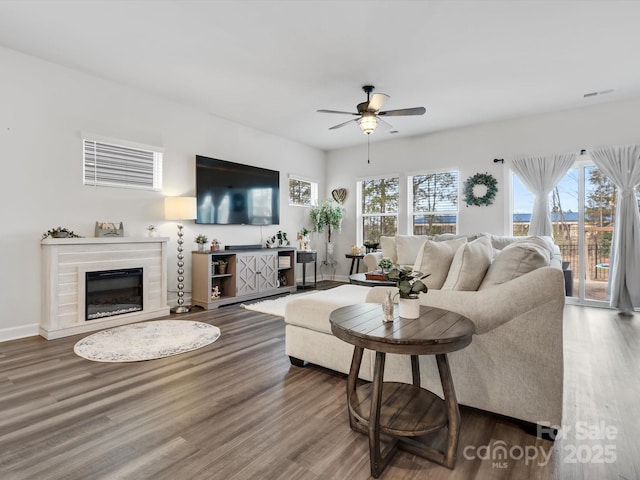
398, 409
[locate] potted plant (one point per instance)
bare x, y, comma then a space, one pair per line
281, 236
328, 214
385, 264
60, 232
222, 266
215, 244
409, 283
201, 240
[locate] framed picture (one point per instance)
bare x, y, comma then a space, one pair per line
109, 229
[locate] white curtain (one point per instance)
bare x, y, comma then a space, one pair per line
621, 164
540, 175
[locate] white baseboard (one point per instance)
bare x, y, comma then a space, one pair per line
14, 333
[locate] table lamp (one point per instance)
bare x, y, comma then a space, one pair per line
180, 208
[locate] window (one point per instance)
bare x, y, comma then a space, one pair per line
302, 192
434, 203
112, 165
378, 208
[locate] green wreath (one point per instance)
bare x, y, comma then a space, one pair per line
480, 179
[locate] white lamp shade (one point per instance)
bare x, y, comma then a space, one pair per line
180, 208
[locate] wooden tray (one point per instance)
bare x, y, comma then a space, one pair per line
375, 275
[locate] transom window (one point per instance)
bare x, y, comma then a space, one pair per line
433, 201
113, 165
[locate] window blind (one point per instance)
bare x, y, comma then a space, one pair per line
107, 164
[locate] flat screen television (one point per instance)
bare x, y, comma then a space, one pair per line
235, 194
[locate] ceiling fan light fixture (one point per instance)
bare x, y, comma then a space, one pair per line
368, 123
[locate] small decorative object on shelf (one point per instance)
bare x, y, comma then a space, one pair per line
152, 231
303, 239
484, 181
215, 244
109, 229
278, 240
201, 240
409, 283
215, 293
222, 266
60, 232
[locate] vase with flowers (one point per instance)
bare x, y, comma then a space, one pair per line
201, 240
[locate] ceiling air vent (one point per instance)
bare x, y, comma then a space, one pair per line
601, 92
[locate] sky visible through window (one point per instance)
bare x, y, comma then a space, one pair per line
568, 189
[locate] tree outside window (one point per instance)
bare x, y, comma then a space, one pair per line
435, 203
379, 201
302, 192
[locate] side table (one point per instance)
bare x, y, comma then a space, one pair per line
304, 257
400, 410
355, 262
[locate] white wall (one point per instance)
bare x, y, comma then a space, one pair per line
472, 150
43, 109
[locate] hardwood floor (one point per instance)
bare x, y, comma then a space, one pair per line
237, 410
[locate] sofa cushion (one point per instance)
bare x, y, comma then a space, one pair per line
312, 311
434, 258
469, 265
408, 246
514, 261
388, 247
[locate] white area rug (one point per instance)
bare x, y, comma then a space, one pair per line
146, 341
273, 307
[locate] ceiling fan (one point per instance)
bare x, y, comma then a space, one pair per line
369, 114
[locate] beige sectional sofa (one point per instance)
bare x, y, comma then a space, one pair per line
514, 365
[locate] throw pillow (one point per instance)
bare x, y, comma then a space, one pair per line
546, 243
408, 246
434, 258
469, 265
514, 261
388, 247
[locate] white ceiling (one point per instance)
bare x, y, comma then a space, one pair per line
271, 64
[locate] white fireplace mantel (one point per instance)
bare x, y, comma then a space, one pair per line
65, 261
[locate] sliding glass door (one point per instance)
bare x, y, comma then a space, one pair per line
582, 211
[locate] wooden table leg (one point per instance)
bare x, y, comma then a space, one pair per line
353, 262
352, 382
377, 458
415, 370
453, 413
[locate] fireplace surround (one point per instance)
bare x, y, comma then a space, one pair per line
66, 263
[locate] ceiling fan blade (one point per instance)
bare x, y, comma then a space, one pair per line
385, 125
337, 111
404, 111
377, 100
343, 124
